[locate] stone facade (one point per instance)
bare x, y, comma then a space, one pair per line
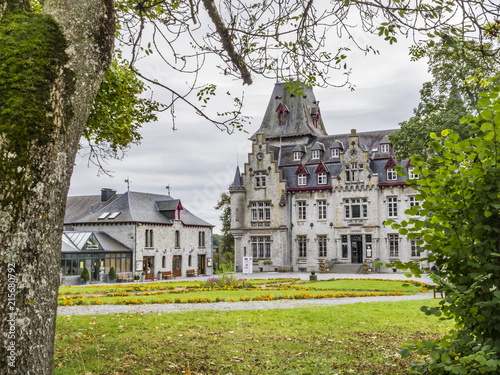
305, 197
162, 234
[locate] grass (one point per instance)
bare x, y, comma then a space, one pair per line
196, 292
347, 339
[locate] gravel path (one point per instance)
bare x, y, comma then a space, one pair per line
227, 306
254, 305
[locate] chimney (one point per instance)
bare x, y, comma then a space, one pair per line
107, 194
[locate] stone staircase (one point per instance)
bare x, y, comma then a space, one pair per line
347, 268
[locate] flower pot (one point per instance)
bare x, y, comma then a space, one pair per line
313, 277
84, 282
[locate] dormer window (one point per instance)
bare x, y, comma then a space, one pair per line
385, 148
281, 111
321, 178
392, 175
316, 118
297, 155
301, 180
315, 154
411, 174
335, 152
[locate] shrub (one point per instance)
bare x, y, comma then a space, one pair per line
85, 275
112, 273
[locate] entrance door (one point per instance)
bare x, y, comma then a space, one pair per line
177, 266
356, 249
201, 264
148, 267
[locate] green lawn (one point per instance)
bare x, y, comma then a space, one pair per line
194, 292
348, 339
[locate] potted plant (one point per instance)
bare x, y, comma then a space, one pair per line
112, 274
159, 275
136, 277
313, 276
143, 275
85, 275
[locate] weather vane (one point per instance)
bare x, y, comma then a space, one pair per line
128, 183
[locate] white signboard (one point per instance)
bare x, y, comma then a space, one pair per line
247, 264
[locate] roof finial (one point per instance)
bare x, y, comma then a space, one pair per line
127, 180
168, 189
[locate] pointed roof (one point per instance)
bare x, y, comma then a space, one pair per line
237, 178
391, 163
299, 116
321, 168
301, 169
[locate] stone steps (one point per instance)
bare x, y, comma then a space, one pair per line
346, 268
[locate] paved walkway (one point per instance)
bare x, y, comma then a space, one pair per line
254, 305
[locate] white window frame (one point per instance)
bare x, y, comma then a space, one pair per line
261, 246
301, 179
301, 210
322, 246
261, 211
414, 248
412, 175
392, 206
335, 152
393, 242
385, 148
315, 154
350, 203
322, 180
302, 246
392, 175
297, 155
260, 179
321, 209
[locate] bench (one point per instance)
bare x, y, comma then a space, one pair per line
190, 273
166, 275
123, 277
285, 269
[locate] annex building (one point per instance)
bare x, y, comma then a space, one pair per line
134, 233
306, 197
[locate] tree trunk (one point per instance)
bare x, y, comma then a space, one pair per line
49, 75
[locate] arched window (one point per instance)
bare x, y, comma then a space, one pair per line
177, 239
189, 261
164, 262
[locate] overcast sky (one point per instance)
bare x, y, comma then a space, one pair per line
198, 161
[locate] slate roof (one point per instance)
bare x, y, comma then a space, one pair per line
299, 116
368, 141
132, 207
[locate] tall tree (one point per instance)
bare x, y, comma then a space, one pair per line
51, 68
224, 204
458, 225
458, 76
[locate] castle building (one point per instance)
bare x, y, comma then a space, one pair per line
307, 198
134, 233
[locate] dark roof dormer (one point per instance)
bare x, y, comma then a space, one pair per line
301, 170
170, 208
322, 168
316, 115
282, 112
385, 145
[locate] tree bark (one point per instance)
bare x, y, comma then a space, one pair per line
37, 155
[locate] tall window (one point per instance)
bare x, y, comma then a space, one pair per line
322, 246
334, 152
260, 179
261, 246
302, 242
384, 148
392, 203
201, 239
297, 155
322, 210
177, 238
261, 214
414, 248
356, 208
345, 252
322, 178
302, 180
164, 262
149, 238
302, 210
315, 154
392, 175
393, 245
